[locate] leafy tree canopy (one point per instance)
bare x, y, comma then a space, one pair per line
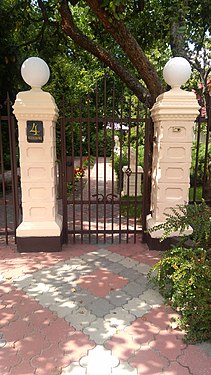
134, 38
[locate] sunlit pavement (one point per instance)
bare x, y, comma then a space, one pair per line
89, 310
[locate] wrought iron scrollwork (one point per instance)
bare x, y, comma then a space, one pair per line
128, 172
105, 198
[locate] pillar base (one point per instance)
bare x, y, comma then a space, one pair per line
154, 243
39, 244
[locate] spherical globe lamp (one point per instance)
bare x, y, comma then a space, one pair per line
35, 72
176, 72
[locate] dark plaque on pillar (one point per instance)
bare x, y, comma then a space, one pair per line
34, 131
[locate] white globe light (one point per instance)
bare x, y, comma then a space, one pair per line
177, 71
35, 72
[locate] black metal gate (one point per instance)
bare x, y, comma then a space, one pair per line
10, 208
105, 167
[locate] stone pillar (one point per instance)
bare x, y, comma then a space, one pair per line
37, 113
173, 114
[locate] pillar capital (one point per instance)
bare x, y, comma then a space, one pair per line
175, 104
35, 102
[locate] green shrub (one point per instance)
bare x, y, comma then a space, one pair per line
184, 279
183, 275
196, 216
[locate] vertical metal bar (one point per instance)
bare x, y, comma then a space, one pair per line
105, 146
112, 182
197, 157
128, 180
64, 177
136, 172
15, 177
13, 164
3, 183
81, 162
204, 179
73, 168
148, 152
89, 181
97, 170
120, 172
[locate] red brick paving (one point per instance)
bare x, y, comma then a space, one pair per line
101, 282
142, 331
36, 338
198, 362
148, 362
122, 346
174, 369
38, 342
168, 345
138, 252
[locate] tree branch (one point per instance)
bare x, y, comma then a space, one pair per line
86, 43
130, 46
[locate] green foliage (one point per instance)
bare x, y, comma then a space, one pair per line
118, 164
102, 143
196, 216
183, 275
131, 210
201, 161
184, 279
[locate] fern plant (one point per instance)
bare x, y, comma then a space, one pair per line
196, 216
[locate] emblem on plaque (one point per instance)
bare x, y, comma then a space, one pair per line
34, 131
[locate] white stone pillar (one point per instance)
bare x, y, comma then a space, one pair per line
35, 110
173, 114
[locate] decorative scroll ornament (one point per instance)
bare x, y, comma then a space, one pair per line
128, 172
109, 198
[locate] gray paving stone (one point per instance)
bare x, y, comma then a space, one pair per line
103, 252
80, 318
113, 257
46, 299
23, 281
89, 257
137, 307
118, 297
68, 289
124, 369
115, 267
99, 361
74, 261
133, 289
130, 274
100, 331
63, 310
100, 307
101, 263
205, 346
143, 283
74, 369
119, 318
84, 298
129, 263
152, 297
142, 268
